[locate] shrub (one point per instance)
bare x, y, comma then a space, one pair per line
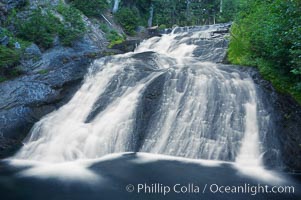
91, 8
9, 58
40, 27
2, 79
162, 27
72, 27
238, 48
104, 28
128, 19
43, 71
114, 38
269, 36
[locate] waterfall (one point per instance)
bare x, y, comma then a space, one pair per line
188, 2
168, 97
249, 151
151, 14
116, 6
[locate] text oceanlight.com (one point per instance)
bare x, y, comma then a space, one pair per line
192, 188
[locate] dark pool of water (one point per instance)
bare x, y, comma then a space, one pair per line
116, 174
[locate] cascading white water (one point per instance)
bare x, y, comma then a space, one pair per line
116, 6
204, 110
151, 15
200, 116
203, 118
63, 135
249, 154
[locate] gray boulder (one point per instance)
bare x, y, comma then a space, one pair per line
50, 80
4, 40
30, 58
12, 4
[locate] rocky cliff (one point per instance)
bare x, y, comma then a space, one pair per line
49, 78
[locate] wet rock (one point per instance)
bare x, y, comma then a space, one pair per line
33, 50
127, 46
12, 4
4, 40
284, 144
36, 3
8, 146
26, 99
154, 31
30, 58
51, 78
141, 29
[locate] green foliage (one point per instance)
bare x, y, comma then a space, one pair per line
128, 18
184, 12
238, 48
10, 56
284, 84
91, 8
229, 10
72, 26
114, 38
10, 18
8, 60
162, 27
40, 27
113, 35
104, 28
2, 79
43, 71
267, 34
171, 12
13, 39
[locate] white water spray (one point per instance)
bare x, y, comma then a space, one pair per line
151, 15
116, 6
206, 110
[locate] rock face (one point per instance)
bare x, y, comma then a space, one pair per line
287, 122
126, 46
8, 5
12, 4
26, 99
50, 79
